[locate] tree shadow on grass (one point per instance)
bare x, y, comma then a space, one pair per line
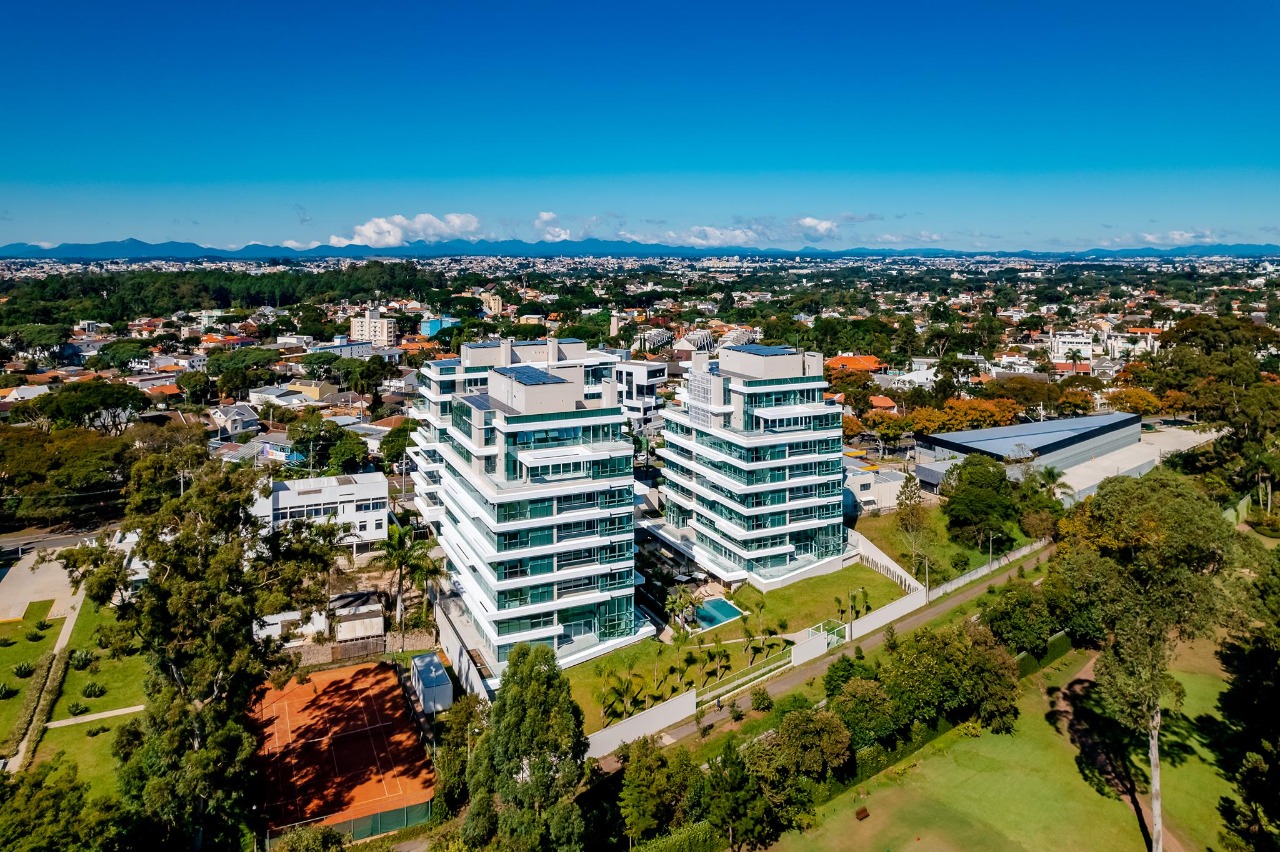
1108, 755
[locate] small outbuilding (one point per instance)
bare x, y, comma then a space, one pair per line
431, 682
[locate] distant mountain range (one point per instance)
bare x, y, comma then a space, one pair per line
137, 250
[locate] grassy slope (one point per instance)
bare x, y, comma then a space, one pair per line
91, 754
940, 549
993, 793
22, 651
122, 676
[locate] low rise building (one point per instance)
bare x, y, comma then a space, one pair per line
357, 503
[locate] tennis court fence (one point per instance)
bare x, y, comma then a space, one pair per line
360, 828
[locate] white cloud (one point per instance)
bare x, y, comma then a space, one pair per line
299, 246
44, 244
391, 231
817, 229
916, 238
549, 229
1181, 238
705, 236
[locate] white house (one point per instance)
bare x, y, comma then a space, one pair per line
356, 502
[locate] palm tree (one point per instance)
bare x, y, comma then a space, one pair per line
401, 553
1075, 356
1052, 481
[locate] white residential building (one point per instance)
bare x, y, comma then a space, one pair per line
535, 495
754, 481
638, 383
373, 327
355, 502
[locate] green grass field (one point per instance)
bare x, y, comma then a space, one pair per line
22, 650
939, 548
91, 754
122, 676
1017, 792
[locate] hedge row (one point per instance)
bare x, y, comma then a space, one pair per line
48, 698
694, 837
1059, 646
30, 701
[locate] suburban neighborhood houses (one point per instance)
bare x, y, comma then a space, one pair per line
695, 510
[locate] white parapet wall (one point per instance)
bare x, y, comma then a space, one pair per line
656, 718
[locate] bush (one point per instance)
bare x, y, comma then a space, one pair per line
94, 730
43, 625
735, 712
6, 641
969, 729
7, 691
77, 708
81, 660
761, 699
93, 689
694, 837
34, 635
24, 669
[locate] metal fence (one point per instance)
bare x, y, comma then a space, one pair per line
361, 828
371, 647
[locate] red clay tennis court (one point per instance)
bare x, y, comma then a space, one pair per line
340, 747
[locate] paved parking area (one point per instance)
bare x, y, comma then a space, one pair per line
20, 586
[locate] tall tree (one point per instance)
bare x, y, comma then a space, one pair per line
214, 571
1161, 551
528, 764
738, 812
402, 553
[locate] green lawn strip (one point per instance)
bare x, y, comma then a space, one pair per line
37, 610
808, 602
92, 754
122, 676
22, 651
1019, 791
939, 549
1192, 781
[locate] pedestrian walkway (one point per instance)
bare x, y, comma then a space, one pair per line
64, 638
93, 717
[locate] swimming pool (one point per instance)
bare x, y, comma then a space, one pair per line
715, 611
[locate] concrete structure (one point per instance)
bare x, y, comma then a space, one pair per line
868, 487
638, 383
753, 466
343, 347
534, 495
373, 327
356, 502
431, 683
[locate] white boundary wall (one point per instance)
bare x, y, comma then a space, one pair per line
656, 718
877, 560
878, 618
990, 568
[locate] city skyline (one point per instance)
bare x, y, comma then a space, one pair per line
998, 127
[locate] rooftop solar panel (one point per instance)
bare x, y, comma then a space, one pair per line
527, 375
760, 349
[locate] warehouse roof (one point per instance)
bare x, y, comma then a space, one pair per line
1014, 442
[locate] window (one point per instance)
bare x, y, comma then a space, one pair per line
865, 486
364, 526
377, 525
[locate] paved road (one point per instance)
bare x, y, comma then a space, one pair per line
796, 677
28, 540
93, 717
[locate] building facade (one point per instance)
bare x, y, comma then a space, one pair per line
375, 328
357, 503
753, 467
529, 473
638, 383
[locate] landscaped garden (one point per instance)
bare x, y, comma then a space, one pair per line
101, 675
89, 745
947, 557
22, 645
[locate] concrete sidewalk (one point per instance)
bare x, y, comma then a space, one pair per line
93, 717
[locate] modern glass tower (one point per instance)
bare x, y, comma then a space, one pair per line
535, 499
753, 466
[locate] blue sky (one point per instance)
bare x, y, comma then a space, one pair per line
967, 125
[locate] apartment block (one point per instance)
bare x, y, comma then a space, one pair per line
374, 328
753, 472
355, 502
638, 383
527, 467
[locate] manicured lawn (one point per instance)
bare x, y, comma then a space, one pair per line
650, 662
122, 676
1015, 792
940, 550
22, 650
1192, 782
808, 602
91, 754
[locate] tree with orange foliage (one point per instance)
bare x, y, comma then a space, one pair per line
1074, 403
1134, 401
852, 427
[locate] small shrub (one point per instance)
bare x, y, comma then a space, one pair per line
43, 624
24, 669
7, 691
81, 660
6, 641
1022, 572
34, 635
94, 730
761, 699
969, 729
95, 667
93, 689
735, 712
77, 708
782, 625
